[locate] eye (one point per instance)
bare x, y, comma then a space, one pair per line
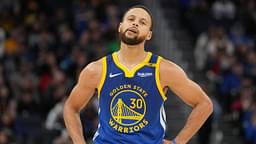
143, 23
130, 19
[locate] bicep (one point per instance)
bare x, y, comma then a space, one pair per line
188, 91
176, 79
80, 95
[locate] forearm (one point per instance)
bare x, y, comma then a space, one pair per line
198, 116
73, 125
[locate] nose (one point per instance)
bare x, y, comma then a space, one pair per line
135, 24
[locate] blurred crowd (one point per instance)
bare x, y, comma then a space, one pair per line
225, 51
44, 44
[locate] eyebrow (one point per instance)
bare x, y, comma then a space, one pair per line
131, 16
140, 18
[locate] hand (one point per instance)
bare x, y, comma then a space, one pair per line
165, 141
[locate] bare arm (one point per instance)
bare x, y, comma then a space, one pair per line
81, 94
175, 78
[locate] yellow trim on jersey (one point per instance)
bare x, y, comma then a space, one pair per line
130, 73
157, 77
151, 64
103, 74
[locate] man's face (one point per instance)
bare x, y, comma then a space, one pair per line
135, 27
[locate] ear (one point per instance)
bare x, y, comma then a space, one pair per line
149, 35
119, 27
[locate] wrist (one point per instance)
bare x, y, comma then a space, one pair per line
79, 142
178, 141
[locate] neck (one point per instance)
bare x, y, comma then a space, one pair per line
131, 54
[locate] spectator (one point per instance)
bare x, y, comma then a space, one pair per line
54, 120
2, 40
200, 52
43, 46
5, 137
223, 9
238, 36
250, 125
226, 53
220, 42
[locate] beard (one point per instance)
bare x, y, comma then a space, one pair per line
130, 41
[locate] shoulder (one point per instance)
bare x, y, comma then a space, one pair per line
93, 68
169, 66
170, 72
92, 72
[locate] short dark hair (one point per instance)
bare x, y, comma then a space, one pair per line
144, 8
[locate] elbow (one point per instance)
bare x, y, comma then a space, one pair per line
209, 106
69, 109
206, 106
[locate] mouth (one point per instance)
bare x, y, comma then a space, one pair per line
133, 30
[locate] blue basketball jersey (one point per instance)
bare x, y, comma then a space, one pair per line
131, 103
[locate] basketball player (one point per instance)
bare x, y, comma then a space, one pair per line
131, 86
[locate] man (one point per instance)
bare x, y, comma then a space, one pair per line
131, 86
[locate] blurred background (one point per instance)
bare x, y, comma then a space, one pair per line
44, 44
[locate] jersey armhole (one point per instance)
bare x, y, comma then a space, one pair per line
103, 75
157, 77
